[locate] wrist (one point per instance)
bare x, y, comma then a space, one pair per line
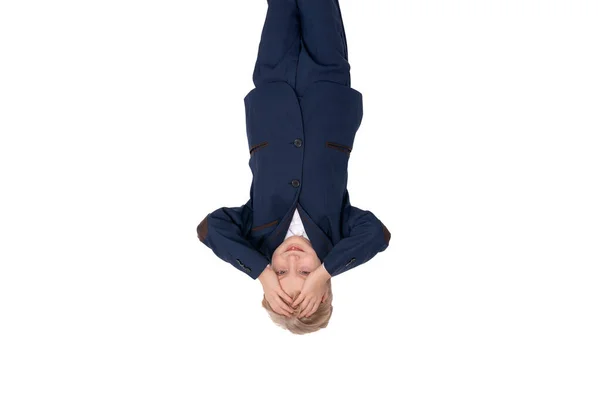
323, 273
263, 274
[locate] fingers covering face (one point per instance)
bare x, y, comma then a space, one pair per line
308, 305
299, 300
285, 296
282, 305
314, 309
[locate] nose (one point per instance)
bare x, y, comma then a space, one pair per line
293, 258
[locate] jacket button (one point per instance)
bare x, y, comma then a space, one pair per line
295, 183
298, 142
247, 269
351, 261
240, 263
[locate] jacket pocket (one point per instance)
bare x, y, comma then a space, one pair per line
264, 226
339, 147
258, 147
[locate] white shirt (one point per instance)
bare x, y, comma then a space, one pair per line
296, 227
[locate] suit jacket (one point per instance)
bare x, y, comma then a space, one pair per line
299, 152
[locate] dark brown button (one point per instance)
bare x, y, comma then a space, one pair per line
298, 142
295, 183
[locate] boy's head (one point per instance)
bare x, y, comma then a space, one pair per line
292, 261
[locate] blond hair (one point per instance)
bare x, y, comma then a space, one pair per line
300, 326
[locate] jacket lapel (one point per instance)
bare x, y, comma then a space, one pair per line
278, 235
319, 240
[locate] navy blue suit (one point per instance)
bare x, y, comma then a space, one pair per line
301, 120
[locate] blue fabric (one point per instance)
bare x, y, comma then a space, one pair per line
301, 119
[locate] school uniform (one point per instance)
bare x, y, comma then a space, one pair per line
301, 120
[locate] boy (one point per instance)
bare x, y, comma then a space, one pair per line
298, 229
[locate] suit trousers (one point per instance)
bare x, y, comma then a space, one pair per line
302, 42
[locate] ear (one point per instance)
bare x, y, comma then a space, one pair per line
325, 296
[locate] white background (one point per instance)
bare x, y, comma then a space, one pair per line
122, 125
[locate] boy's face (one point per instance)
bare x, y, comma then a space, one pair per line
292, 261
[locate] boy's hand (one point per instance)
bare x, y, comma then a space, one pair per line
314, 291
274, 293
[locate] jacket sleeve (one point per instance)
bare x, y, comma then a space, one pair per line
223, 232
366, 236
